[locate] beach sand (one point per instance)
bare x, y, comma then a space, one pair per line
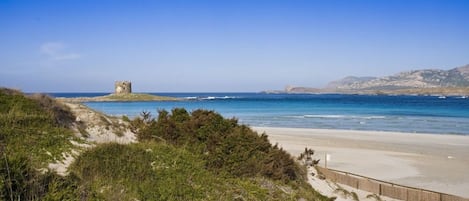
429, 161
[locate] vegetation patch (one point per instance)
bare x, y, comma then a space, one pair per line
158, 171
33, 133
374, 196
180, 156
34, 127
346, 194
226, 146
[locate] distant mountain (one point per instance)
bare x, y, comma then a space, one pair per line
416, 79
427, 81
347, 81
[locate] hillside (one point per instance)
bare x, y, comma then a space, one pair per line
425, 82
416, 79
348, 81
65, 151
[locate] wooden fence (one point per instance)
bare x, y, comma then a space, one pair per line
386, 188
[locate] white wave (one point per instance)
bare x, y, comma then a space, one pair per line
209, 98
227, 97
343, 117
324, 116
296, 117
374, 117
218, 97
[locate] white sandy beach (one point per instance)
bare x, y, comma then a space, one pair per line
434, 162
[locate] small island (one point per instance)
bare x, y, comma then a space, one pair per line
122, 93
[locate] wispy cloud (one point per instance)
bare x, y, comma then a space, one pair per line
56, 51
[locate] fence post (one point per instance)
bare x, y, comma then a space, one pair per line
380, 189
325, 160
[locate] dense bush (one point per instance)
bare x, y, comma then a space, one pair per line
226, 146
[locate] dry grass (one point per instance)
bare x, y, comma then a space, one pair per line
374, 196
346, 194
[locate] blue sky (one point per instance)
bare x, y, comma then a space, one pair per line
209, 46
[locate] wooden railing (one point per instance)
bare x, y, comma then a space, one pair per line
384, 188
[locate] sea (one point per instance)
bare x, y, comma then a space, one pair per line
412, 114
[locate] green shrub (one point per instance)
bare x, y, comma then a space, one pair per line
225, 145
158, 171
142, 171
125, 118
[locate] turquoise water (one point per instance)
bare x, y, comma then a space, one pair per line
420, 114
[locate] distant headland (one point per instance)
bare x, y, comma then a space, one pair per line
122, 92
416, 82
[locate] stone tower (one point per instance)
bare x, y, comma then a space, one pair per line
123, 87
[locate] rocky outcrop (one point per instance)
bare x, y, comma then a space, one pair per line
293, 89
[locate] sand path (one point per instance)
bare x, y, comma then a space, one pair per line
98, 128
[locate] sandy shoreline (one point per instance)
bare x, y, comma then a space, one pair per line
429, 161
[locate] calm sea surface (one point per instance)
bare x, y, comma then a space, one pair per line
420, 114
